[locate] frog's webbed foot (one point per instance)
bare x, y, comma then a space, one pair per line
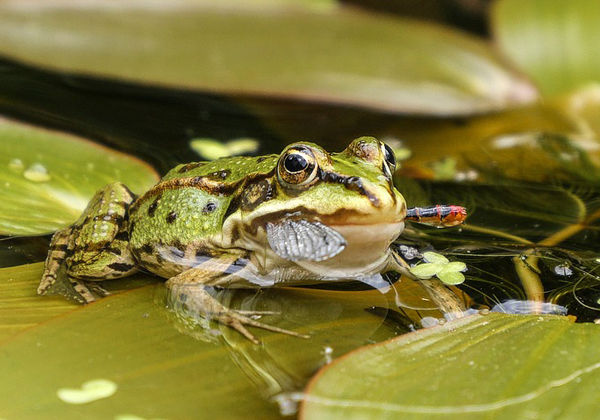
77, 290
188, 291
96, 289
238, 322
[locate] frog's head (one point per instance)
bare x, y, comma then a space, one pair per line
353, 187
351, 192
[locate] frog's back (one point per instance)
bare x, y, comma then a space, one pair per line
185, 211
226, 170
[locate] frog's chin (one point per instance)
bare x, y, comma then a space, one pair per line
366, 252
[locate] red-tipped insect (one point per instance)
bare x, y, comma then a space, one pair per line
439, 216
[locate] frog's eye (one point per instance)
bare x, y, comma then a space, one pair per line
390, 158
297, 166
295, 163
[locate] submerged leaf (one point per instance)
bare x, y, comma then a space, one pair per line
47, 177
479, 367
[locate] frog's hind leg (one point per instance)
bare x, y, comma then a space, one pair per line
57, 253
189, 288
95, 248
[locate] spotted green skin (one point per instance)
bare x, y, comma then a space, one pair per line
218, 210
194, 219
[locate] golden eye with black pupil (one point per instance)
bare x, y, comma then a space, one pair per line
297, 166
390, 157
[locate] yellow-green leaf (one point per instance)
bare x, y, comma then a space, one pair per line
434, 257
553, 41
450, 276
427, 270
48, 177
211, 149
335, 54
158, 367
18, 300
480, 367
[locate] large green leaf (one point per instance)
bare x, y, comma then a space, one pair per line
159, 367
335, 54
47, 177
18, 301
21, 308
481, 367
553, 41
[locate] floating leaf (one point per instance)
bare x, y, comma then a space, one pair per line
426, 271
554, 41
211, 149
450, 275
18, 300
47, 177
22, 309
340, 54
435, 258
455, 266
93, 390
479, 367
437, 265
160, 369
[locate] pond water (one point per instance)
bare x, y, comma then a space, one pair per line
524, 240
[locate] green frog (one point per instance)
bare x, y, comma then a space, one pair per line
300, 217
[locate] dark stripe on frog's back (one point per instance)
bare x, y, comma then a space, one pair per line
220, 177
237, 167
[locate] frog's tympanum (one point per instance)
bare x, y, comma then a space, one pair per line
303, 216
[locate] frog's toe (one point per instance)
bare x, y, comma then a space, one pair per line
256, 313
239, 322
239, 327
82, 293
96, 289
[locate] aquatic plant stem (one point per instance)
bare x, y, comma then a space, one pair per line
446, 301
526, 264
570, 230
527, 269
498, 233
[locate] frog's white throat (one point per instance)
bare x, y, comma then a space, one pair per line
366, 252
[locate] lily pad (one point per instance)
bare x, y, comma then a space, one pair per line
22, 309
479, 367
339, 54
48, 177
161, 369
553, 41
18, 300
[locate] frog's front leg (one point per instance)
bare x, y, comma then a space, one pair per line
190, 287
95, 247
